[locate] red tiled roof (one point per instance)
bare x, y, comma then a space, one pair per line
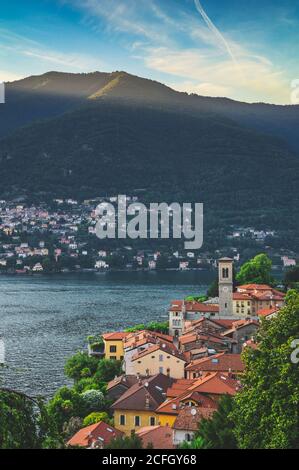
255, 287
219, 362
189, 417
140, 338
146, 394
114, 336
267, 311
159, 437
164, 347
99, 432
241, 296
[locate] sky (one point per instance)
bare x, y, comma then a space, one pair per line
245, 50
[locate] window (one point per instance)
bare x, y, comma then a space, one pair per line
188, 437
122, 420
121, 358
112, 358
161, 357
225, 273
113, 349
137, 420
152, 421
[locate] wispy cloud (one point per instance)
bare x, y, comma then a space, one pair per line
25, 47
200, 58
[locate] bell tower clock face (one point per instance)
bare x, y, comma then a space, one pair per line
225, 289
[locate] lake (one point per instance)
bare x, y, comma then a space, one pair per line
46, 319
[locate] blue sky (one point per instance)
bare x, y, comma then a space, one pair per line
246, 50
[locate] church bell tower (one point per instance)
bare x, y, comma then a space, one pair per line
225, 268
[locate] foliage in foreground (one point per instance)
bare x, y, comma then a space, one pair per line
25, 423
159, 327
127, 442
266, 411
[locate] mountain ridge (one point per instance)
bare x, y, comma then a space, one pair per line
142, 134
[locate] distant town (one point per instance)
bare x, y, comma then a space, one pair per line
60, 237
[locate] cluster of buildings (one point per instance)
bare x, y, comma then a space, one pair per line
170, 382
61, 236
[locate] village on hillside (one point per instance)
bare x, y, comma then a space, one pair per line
170, 381
60, 237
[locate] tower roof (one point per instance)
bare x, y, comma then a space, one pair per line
226, 259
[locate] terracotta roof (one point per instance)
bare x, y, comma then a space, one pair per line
216, 383
140, 338
237, 325
178, 387
146, 394
219, 362
241, 296
114, 336
199, 391
166, 347
159, 437
101, 433
171, 406
224, 323
255, 287
265, 312
189, 417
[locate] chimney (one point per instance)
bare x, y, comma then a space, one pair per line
147, 401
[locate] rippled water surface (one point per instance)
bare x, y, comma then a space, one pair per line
44, 320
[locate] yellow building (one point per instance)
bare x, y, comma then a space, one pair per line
114, 348
162, 358
129, 420
242, 305
136, 408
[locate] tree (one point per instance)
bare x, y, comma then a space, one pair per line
217, 432
256, 271
198, 298
89, 384
72, 426
96, 417
196, 443
25, 423
127, 442
107, 369
93, 400
159, 327
65, 404
213, 290
266, 412
81, 365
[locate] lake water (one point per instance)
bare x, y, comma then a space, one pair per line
46, 319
